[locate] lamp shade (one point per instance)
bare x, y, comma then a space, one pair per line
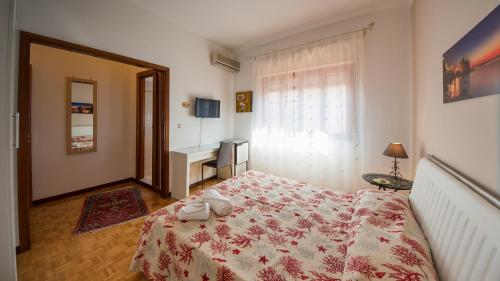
396, 150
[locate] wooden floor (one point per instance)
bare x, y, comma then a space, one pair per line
57, 254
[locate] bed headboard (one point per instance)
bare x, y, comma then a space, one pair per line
461, 226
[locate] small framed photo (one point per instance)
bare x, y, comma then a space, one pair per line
82, 107
244, 101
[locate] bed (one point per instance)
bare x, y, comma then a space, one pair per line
82, 141
286, 230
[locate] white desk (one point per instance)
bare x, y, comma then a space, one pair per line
182, 159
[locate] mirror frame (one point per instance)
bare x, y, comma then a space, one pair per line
69, 148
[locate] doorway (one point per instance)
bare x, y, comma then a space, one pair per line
159, 128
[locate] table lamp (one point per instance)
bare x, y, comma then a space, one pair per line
395, 150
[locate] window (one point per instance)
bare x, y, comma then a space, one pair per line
304, 124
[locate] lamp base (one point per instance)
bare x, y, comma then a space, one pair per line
395, 174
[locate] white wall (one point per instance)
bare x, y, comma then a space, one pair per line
387, 87
464, 134
123, 27
91, 23
54, 171
7, 198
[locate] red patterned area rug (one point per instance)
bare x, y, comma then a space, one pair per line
109, 208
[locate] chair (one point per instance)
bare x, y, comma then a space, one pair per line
224, 159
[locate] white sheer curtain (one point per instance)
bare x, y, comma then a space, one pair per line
307, 111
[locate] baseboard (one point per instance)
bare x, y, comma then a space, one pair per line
146, 185
80, 191
203, 181
150, 187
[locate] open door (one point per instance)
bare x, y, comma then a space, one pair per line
147, 128
159, 122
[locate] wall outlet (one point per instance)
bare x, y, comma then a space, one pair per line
180, 125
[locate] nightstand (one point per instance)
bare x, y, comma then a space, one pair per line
385, 181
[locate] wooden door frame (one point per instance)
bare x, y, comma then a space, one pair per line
140, 126
24, 109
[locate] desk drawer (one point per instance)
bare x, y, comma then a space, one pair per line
202, 156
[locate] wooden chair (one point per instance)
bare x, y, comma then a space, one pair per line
224, 159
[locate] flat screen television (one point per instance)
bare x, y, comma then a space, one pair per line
207, 108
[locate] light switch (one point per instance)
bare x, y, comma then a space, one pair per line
180, 125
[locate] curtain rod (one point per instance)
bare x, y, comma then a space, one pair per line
364, 29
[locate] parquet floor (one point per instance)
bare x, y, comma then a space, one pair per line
57, 254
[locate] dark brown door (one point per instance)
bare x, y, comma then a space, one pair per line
163, 78
147, 128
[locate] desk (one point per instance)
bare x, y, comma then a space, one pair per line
182, 159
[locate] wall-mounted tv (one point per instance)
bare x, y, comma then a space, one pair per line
207, 108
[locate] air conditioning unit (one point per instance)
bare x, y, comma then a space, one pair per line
227, 63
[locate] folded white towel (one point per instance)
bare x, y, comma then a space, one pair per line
194, 211
218, 203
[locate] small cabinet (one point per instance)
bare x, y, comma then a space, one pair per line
240, 156
240, 152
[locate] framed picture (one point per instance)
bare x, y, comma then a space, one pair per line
244, 101
81, 107
471, 66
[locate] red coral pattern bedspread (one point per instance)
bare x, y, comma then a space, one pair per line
287, 230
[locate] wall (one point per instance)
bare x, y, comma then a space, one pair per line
187, 55
122, 27
54, 171
387, 85
7, 197
464, 134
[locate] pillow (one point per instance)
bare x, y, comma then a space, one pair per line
385, 241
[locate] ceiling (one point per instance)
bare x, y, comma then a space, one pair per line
238, 23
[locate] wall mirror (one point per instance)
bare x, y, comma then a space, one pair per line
81, 117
